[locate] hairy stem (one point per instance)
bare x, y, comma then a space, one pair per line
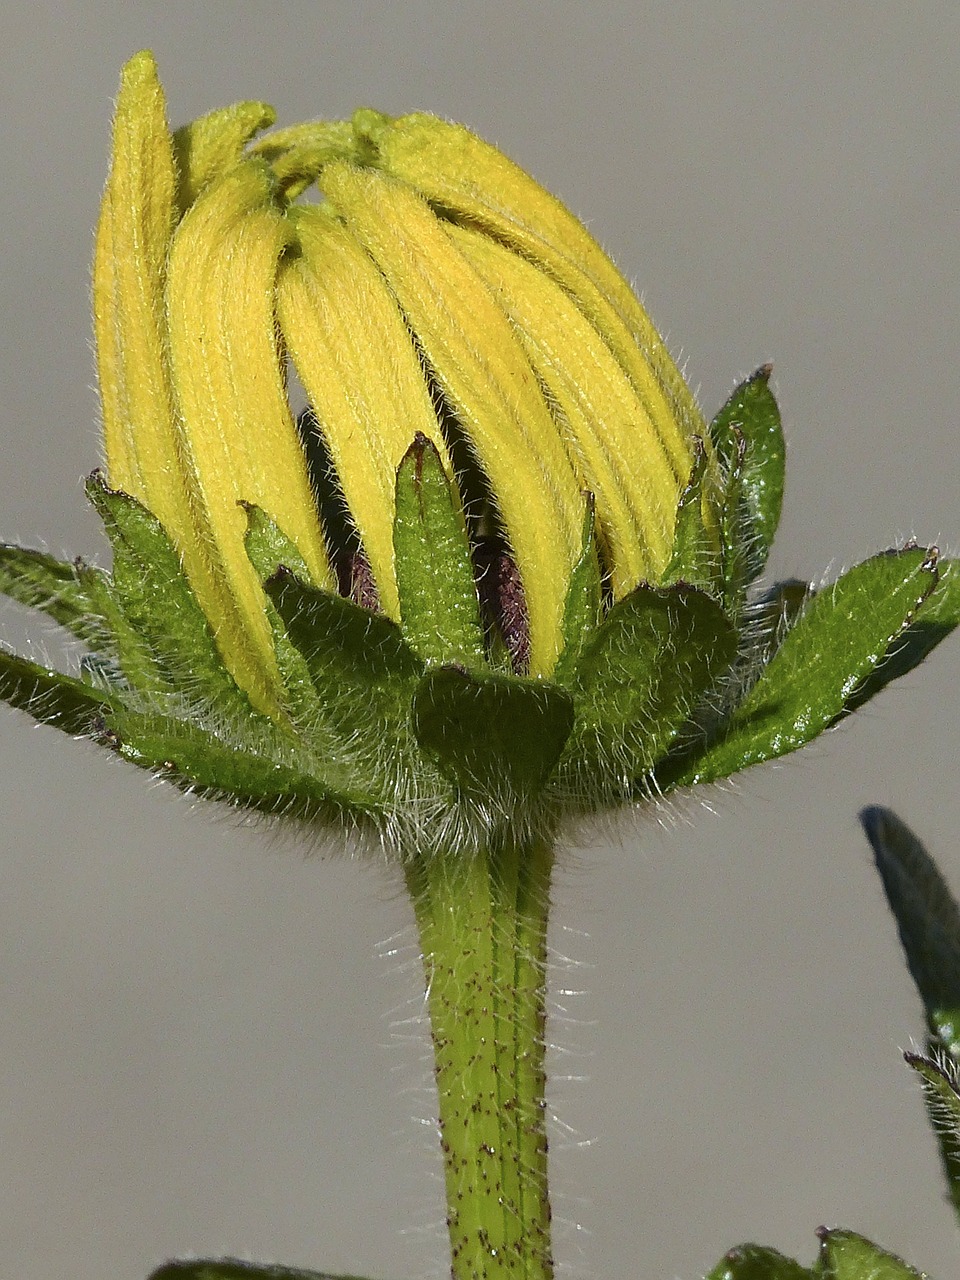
483, 924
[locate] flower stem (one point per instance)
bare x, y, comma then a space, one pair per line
483, 925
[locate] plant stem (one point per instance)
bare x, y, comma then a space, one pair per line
483, 926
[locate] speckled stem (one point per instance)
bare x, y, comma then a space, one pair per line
483, 924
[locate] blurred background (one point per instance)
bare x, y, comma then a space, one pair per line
210, 1042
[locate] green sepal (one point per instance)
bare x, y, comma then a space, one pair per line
253, 772
756, 1262
583, 607
49, 696
439, 608
638, 679
495, 737
205, 148
694, 560
841, 637
364, 675
752, 416
844, 1255
169, 646
234, 1269
928, 920
64, 592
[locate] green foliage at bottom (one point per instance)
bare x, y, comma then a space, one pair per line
234, 1269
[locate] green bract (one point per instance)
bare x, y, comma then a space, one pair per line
499, 573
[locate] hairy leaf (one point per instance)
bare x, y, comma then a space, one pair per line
842, 636
439, 609
637, 681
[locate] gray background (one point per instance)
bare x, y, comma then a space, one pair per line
205, 1038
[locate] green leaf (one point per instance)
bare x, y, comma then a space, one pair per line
936, 618
927, 916
439, 609
844, 1255
583, 607
496, 737
842, 636
255, 773
753, 413
637, 681
364, 675
755, 1262
48, 695
233, 1269
940, 1076
62, 591
168, 645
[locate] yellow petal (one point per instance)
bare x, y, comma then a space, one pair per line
361, 372
297, 153
238, 437
470, 345
205, 148
614, 445
133, 236
467, 178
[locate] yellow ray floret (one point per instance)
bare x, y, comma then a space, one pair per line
239, 439
361, 372
470, 345
470, 180
614, 445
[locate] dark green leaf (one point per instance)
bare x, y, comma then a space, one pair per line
49, 696
494, 736
637, 681
753, 413
844, 1255
927, 917
582, 609
233, 1269
62, 591
755, 1262
439, 609
841, 637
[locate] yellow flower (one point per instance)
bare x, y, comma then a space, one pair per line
437, 291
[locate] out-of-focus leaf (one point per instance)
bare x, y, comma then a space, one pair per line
927, 916
233, 1269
